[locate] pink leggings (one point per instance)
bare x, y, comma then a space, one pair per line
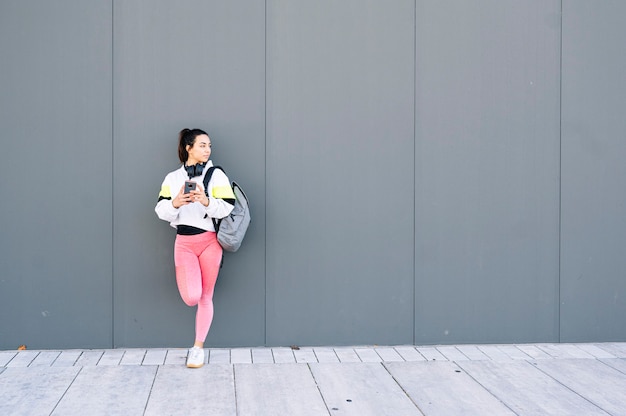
197, 259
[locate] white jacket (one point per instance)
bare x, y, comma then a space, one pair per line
195, 214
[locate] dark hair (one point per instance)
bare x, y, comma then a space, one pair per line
187, 137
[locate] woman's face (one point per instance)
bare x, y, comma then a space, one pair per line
200, 151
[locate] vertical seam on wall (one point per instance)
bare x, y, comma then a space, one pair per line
560, 171
112, 175
265, 167
414, 318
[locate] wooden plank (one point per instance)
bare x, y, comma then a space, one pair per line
368, 355
241, 356
283, 355
595, 381
472, 352
325, 355
219, 356
441, 388
111, 357
596, 351
89, 358
564, 351
305, 355
514, 353
45, 359
617, 363
347, 355
277, 389
494, 352
388, 354
34, 390
410, 353
120, 390
209, 390
6, 357
133, 357
618, 349
154, 357
176, 356
23, 359
533, 352
262, 355
67, 358
431, 354
526, 390
361, 389
452, 353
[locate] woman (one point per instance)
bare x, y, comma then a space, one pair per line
197, 254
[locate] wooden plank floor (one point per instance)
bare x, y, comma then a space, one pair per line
528, 379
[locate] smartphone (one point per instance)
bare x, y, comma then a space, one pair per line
190, 186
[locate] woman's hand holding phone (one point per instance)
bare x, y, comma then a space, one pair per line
189, 194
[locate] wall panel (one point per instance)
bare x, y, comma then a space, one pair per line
487, 171
340, 172
55, 174
593, 249
185, 64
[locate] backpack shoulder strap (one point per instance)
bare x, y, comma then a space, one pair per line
205, 182
207, 177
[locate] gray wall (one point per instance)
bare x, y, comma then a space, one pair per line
177, 64
55, 174
593, 220
340, 172
487, 180
419, 171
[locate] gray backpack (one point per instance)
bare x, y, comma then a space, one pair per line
232, 229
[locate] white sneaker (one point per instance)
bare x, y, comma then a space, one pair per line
195, 358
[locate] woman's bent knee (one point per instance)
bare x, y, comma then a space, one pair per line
191, 301
189, 284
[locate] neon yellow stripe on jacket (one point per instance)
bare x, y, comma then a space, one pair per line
223, 192
165, 192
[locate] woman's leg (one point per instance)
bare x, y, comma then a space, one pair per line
188, 273
210, 260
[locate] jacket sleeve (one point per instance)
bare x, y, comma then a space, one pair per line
164, 208
221, 196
